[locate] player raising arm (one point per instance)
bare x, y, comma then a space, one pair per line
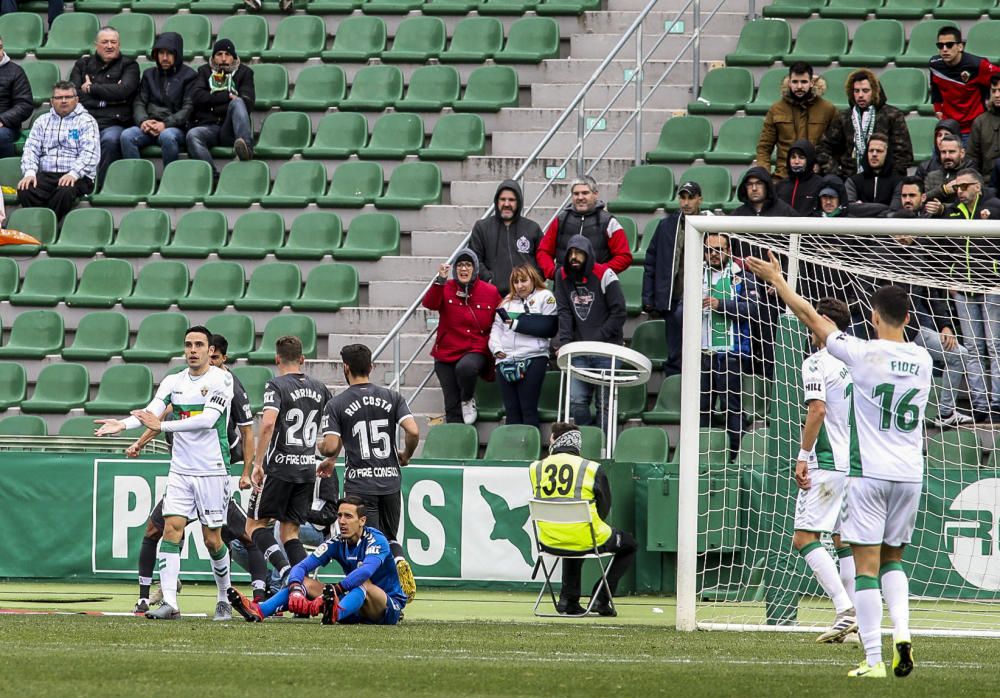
892, 380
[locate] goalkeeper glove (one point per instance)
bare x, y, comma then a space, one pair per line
297, 601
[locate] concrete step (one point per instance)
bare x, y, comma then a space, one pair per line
396, 293
713, 45
409, 342
664, 97
435, 244
541, 119
729, 20
514, 142
554, 196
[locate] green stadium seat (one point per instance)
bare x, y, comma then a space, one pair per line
631, 285
648, 231
196, 31
850, 9
723, 91
473, 40
548, 401
159, 339
518, 442
313, 235
768, 91
449, 7
160, 6
13, 384
835, 79
84, 233
644, 189
592, 446
375, 88
270, 83
41, 76
963, 9
456, 137
136, 32
318, 88
921, 47
819, 42
59, 388
958, 448
241, 184
47, 282
248, 32
514, 8
984, 39
716, 185
297, 38
127, 183
370, 236
631, 230
212, 7
905, 88
123, 388
10, 175
35, 334
297, 184
255, 235
103, 284
682, 139
238, 329
272, 286
432, 88
711, 443
412, 185
329, 287
631, 402
753, 448
530, 40
71, 35
283, 135
390, 7
417, 40
184, 183
301, 326
23, 33
23, 425
254, 378
642, 445
10, 277
994, 13
905, 9
394, 137
876, 42
737, 141
159, 285
198, 234
215, 286
668, 403
567, 7
649, 339
451, 442
357, 39
792, 8
756, 399
489, 403
352, 185
921, 130
77, 426
490, 88
38, 222
338, 135
333, 7
761, 42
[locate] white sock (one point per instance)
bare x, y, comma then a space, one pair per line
847, 572
868, 603
220, 566
168, 561
825, 569
896, 588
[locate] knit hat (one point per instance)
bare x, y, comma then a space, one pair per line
225, 45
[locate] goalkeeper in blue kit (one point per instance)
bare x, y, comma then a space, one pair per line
369, 593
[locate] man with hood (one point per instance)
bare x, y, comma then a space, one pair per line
222, 96
163, 104
832, 199
941, 129
756, 192
802, 186
585, 215
938, 184
15, 102
843, 147
504, 240
959, 80
107, 83
591, 308
984, 139
59, 162
800, 114
872, 191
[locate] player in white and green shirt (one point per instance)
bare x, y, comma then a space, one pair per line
821, 472
198, 482
892, 380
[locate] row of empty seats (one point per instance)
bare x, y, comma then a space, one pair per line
335, 7
891, 9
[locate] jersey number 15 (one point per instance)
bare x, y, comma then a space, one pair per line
373, 438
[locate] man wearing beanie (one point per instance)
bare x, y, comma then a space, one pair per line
222, 95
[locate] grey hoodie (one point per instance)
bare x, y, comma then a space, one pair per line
502, 245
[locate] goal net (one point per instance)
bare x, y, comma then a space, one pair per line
743, 412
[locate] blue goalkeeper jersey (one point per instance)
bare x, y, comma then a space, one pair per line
369, 558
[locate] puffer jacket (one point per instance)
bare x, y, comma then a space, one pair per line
534, 323
15, 95
801, 190
789, 120
166, 95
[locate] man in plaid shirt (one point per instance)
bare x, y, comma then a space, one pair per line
61, 154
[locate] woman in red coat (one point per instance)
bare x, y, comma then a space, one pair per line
461, 350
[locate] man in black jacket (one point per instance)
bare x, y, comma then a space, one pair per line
801, 188
505, 240
873, 190
222, 95
107, 83
15, 102
163, 105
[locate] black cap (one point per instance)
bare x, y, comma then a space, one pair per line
225, 45
692, 188
829, 191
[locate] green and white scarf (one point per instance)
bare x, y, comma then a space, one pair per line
864, 124
717, 328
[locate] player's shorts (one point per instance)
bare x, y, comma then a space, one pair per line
236, 520
205, 498
817, 509
281, 500
880, 511
383, 511
393, 612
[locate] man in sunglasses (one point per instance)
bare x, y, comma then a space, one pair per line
960, 81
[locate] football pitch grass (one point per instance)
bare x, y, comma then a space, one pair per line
454, 643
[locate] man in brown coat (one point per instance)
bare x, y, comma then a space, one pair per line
800, 114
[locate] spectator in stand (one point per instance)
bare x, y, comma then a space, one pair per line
15, 102
663, 272
60, 157
800, 114
163, 105
584, 215
756, 192
984, 139
222, 96
802, 186
843, 147
55, 8
107, 83
912, 197
941, 129
871, 192
972, 203
831, 194
938, 184
959, 81
465, 306
525, 322
504, 240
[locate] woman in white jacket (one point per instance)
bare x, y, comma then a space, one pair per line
519, 340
